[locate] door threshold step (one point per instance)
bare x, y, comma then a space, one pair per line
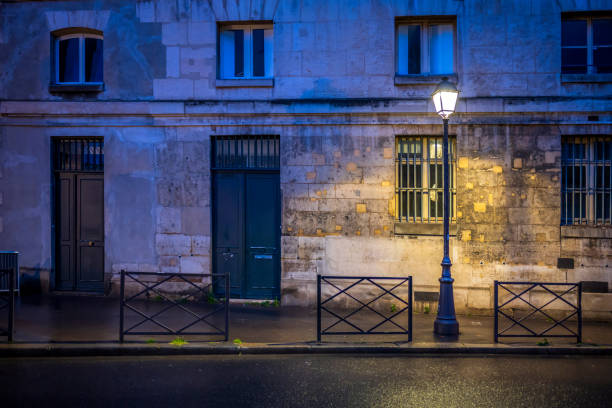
250, 301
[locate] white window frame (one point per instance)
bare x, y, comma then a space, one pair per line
589, 35
425, 24
81, 37
248, 51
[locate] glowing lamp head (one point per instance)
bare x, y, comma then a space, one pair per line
445, 98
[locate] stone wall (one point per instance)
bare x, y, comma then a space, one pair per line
337, 107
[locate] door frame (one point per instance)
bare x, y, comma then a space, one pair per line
244, 172
56, 171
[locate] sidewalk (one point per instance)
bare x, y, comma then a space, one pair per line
80, 325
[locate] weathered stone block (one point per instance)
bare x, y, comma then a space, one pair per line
195, 220
167, 244
168, 220
195, 264
200, 245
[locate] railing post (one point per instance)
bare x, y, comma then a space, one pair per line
579, 312
410, 308
11, 305
318, 308
495, 321
121, 300
227, 296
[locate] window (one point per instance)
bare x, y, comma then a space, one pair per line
419, 182
78, 57
586, 180
245, 51
425, 47
586, 45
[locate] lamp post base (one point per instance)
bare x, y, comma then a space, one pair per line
446, 327
446, 323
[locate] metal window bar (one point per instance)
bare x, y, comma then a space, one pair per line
7, 302
586, 180
533, 310
323, 305
196, 317
255, 152
78, 154
418, 173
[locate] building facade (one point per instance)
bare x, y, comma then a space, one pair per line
281, 139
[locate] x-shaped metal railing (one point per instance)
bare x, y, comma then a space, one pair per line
8, 303
203, 291
574, 310
405, 305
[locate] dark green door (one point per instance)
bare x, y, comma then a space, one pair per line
262, 235
246, 216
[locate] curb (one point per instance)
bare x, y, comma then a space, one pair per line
163, 349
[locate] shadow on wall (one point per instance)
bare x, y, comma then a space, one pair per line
31, 280
322, 88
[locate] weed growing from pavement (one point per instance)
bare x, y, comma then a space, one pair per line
393, 308
238, 342
179, 341
151, 341
543, 342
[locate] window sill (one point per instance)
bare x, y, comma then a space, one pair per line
423, 79
75, 88
586, 78
586, 231
245, 83
405, 228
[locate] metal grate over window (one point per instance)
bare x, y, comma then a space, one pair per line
246, 152
586, 179
419, 184
78, 154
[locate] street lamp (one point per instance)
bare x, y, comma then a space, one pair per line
445, 99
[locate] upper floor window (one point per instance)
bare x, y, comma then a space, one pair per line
419, 191
245, 51
586, 179
425, 47
78, 56
586, 45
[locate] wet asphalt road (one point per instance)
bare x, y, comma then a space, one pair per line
307, 381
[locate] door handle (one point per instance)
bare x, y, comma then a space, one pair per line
90, 243
227, 256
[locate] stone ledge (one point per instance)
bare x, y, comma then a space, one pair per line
244, 83
586, 78
586, 231
72, 88
405, 228
423, 79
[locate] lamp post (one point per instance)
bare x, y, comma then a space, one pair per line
445, 99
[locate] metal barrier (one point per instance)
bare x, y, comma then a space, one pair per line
8, 302
405, 305
200, 296
574, 310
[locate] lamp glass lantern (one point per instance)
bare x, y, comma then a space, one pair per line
445, 98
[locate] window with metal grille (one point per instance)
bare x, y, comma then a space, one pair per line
586, 179
78, 154
246, 152
419, 179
